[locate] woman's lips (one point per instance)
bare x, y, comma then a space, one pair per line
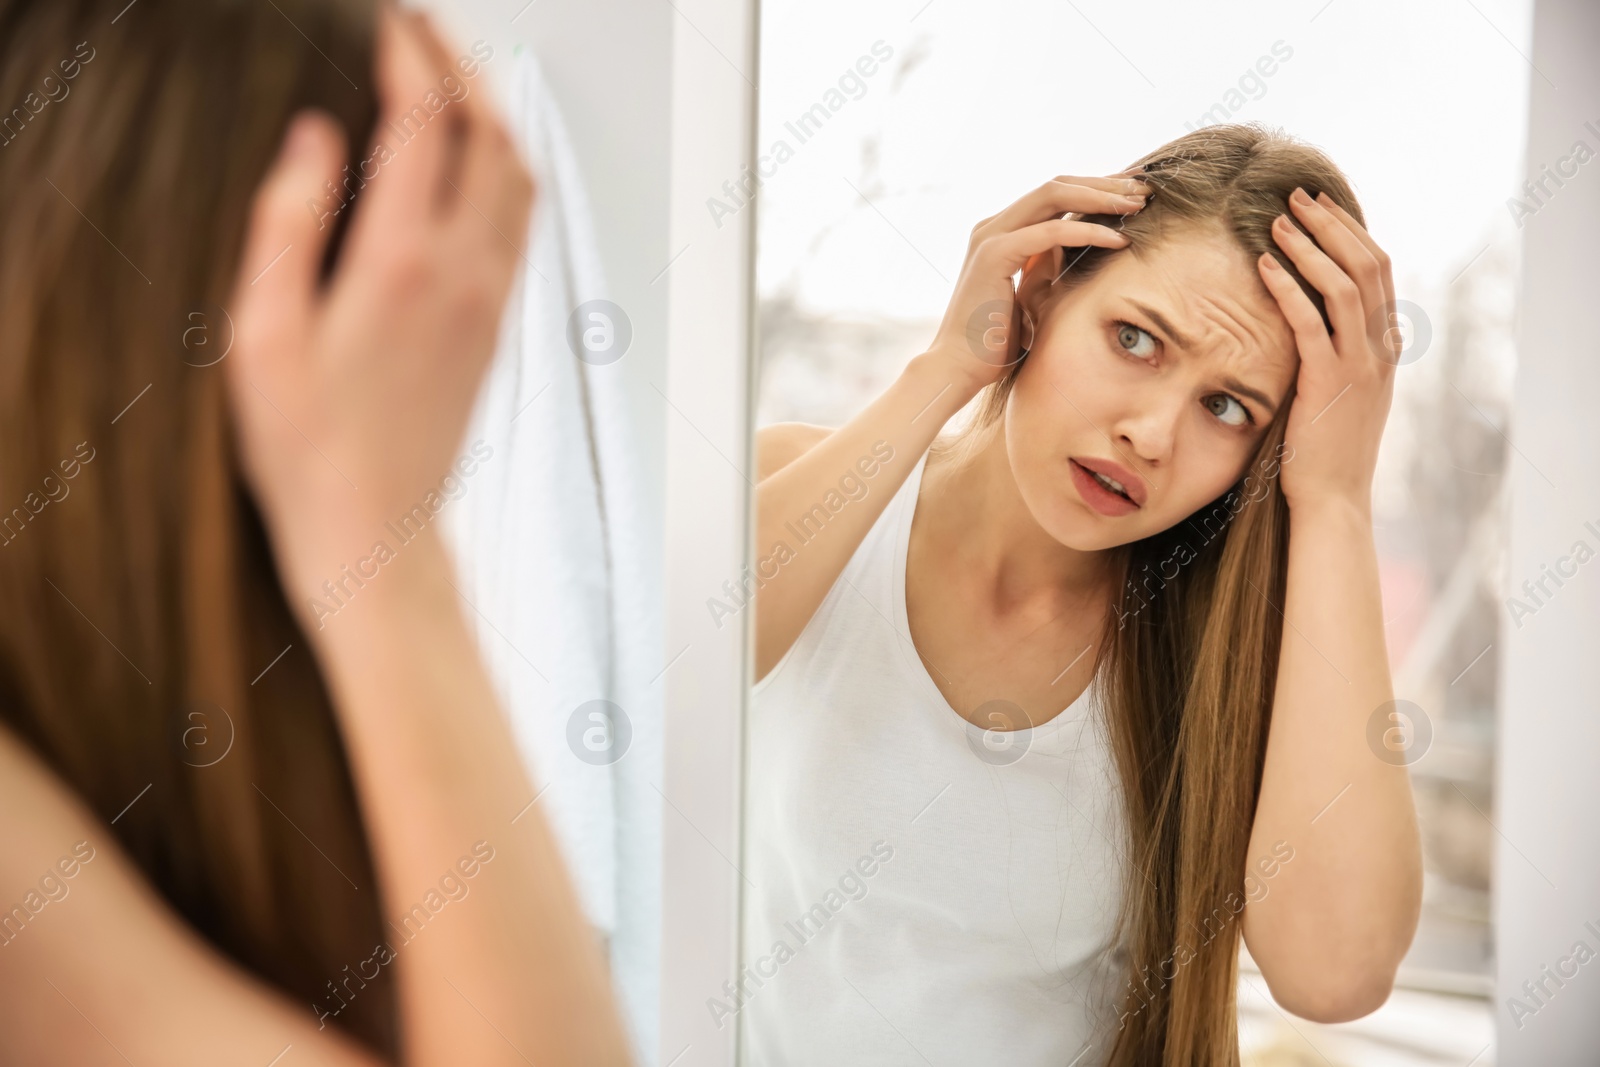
1098, 496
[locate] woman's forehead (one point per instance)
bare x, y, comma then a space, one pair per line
1203, 295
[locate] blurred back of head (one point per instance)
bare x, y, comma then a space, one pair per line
141, 604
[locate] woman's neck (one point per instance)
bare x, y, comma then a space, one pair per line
977, 529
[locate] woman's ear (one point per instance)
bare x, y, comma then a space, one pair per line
1038, 280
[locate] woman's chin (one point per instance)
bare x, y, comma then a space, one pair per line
1083, 529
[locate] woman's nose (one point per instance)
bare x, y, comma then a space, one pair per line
1149, 426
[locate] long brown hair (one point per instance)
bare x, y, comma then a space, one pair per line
1190, 648
146, 650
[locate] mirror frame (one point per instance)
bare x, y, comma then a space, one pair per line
709, 521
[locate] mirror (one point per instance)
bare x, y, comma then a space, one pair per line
966, 640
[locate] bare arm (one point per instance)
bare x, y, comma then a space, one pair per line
812, 496
781, 443
1339, 918
515, 972
807, 523
105, 967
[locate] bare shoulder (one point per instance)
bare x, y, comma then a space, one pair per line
86, 937
782, 443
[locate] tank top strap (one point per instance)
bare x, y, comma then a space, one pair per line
871, 568
862, 598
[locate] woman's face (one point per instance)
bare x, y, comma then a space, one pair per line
1165, 367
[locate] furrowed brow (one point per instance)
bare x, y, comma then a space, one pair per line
1181, 340
1254, 394
1184, 342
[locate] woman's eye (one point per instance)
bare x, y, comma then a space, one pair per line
1218, 404
1128, 335
1224, 406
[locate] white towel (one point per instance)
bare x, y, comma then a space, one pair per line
561, 563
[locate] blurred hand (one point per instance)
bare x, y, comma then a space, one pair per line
351, 398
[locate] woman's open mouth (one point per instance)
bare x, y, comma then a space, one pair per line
1101, 492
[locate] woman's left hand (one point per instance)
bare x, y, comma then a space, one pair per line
1346, 380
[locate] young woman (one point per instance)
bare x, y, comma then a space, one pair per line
233, 831
1052, 710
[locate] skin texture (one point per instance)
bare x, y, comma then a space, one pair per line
1006, 562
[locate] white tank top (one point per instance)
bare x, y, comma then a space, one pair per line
918, 890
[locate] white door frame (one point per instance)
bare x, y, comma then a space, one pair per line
710, 488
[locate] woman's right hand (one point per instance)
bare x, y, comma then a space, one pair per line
351, 395
982, 332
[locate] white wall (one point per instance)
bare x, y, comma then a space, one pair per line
1547, 870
